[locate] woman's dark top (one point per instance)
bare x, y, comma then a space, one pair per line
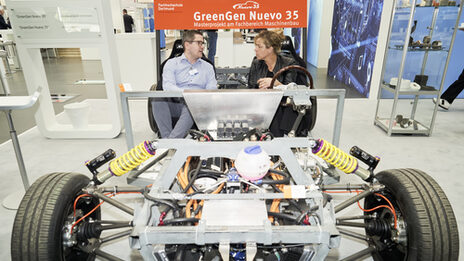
284, 117
260, 70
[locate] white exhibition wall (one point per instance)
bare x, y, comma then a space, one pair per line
319, 28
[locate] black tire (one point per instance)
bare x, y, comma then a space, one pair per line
38, 226
431, 228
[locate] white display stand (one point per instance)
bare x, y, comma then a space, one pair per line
241, 54
66, 24
137, 59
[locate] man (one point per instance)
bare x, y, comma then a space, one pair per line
187, 71
128, 21
3, 25
212, 40
447, 98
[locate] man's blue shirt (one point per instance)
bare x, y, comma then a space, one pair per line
179, 74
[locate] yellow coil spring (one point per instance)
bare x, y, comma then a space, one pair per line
335, 156
130, 159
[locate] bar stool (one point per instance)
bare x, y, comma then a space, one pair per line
7, 104
10, 47
4, 57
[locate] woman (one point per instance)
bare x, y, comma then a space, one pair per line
267, 63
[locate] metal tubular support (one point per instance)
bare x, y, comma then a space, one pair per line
350, 224
17, 149
360, 254
115, 236
297, 122
352, 200
117, 189
338, 119
114, 222
347, 187
142, 170
114, 202
352, 234
355, 217
105, 255
114, 226
158, 55
305, 44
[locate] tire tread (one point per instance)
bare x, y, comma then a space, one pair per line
435, 231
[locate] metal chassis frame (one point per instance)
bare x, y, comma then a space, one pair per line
147, 237
297, 94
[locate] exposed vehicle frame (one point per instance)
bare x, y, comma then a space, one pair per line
288, 214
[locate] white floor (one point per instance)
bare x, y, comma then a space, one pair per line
440, 155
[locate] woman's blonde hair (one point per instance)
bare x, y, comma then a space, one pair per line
271, 39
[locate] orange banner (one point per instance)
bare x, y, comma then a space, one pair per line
232, 14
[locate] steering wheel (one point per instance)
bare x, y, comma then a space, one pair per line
313, 109
296, 67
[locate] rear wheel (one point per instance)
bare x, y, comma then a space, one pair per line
44, 218
427, 228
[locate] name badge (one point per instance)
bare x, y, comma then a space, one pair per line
193, 71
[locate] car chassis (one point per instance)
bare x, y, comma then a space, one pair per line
287, 214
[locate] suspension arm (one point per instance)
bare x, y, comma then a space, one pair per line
115, 236
353, 200
114, 202
360, 254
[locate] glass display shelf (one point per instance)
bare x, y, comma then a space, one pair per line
420, 41
423, 91
414, 49
418, 6
414, 127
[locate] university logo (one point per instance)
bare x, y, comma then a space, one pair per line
246, 5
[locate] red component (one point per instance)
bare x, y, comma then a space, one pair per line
161, 222
306, 220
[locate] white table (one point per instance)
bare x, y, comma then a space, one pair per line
7, 104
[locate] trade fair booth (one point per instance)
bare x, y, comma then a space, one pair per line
351, 178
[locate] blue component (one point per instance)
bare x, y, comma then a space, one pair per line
203, 163
253, 149
240, 255
233, 175
258, 182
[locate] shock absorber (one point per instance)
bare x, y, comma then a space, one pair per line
127, 162
339, 159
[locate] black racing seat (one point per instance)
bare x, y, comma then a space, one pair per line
177, 50
288, 49
309, 120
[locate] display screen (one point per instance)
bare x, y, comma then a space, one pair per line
355, 30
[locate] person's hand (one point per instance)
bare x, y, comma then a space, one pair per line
265, 83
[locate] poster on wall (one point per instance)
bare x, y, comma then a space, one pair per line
232, 14
355, 28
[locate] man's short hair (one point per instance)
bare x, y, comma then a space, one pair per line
189, 36
124, 10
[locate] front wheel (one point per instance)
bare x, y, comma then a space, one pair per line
426, 225
44, 218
